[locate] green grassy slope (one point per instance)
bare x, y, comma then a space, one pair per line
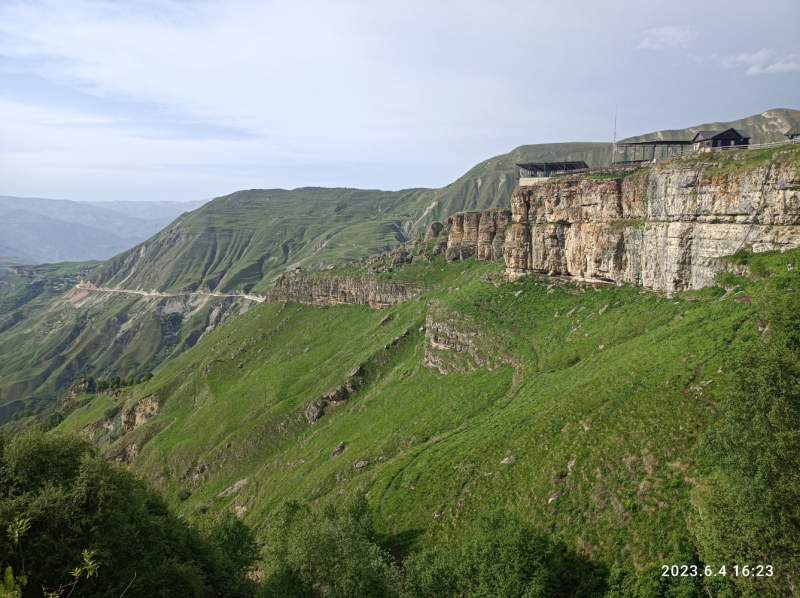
242, 241
600, 408
236, 243
51, 341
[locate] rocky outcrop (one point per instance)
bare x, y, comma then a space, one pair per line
231, 489
662, 228
127, 453
104, 426
478, 233
444, 336
313, 289
433, 231
142, 411
455, 342
81, 386
353, 382
671, 192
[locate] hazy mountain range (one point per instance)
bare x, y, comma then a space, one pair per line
58, 230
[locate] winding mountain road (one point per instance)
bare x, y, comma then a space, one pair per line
90, 287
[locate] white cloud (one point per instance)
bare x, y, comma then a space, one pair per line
323, 81
423, 90
84, 120
763, 61
667, 37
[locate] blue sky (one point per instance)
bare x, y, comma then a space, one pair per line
179, 100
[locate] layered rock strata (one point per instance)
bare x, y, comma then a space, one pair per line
340, 290
455, 342
443, 336
663, 229
480, 233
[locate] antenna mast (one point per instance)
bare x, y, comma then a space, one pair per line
614, 153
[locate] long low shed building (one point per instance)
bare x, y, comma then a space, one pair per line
532, 173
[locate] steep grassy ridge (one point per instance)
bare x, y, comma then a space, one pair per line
81, 333
244, 240
585, 420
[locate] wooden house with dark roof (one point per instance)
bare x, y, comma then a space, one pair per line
710, 139
794, 133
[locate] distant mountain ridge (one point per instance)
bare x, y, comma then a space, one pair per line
243, 241
58, 230
766, 127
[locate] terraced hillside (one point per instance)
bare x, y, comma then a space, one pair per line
577, 407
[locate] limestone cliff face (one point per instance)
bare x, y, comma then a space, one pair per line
338, 290
480, 233
662, 229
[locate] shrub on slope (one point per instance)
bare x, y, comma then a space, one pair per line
74, 500
751, 506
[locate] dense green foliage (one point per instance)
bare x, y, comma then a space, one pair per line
330, 552
338, 553
75, 500
115, 382
499, 555
751, 506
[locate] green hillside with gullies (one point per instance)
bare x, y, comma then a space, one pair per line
232, 245
173, 428
581, 411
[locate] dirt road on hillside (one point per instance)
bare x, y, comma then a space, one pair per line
90, 287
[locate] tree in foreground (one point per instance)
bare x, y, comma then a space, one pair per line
499, 555
332, 553
76, 503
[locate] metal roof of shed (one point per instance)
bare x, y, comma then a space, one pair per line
706, 135
551, 166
